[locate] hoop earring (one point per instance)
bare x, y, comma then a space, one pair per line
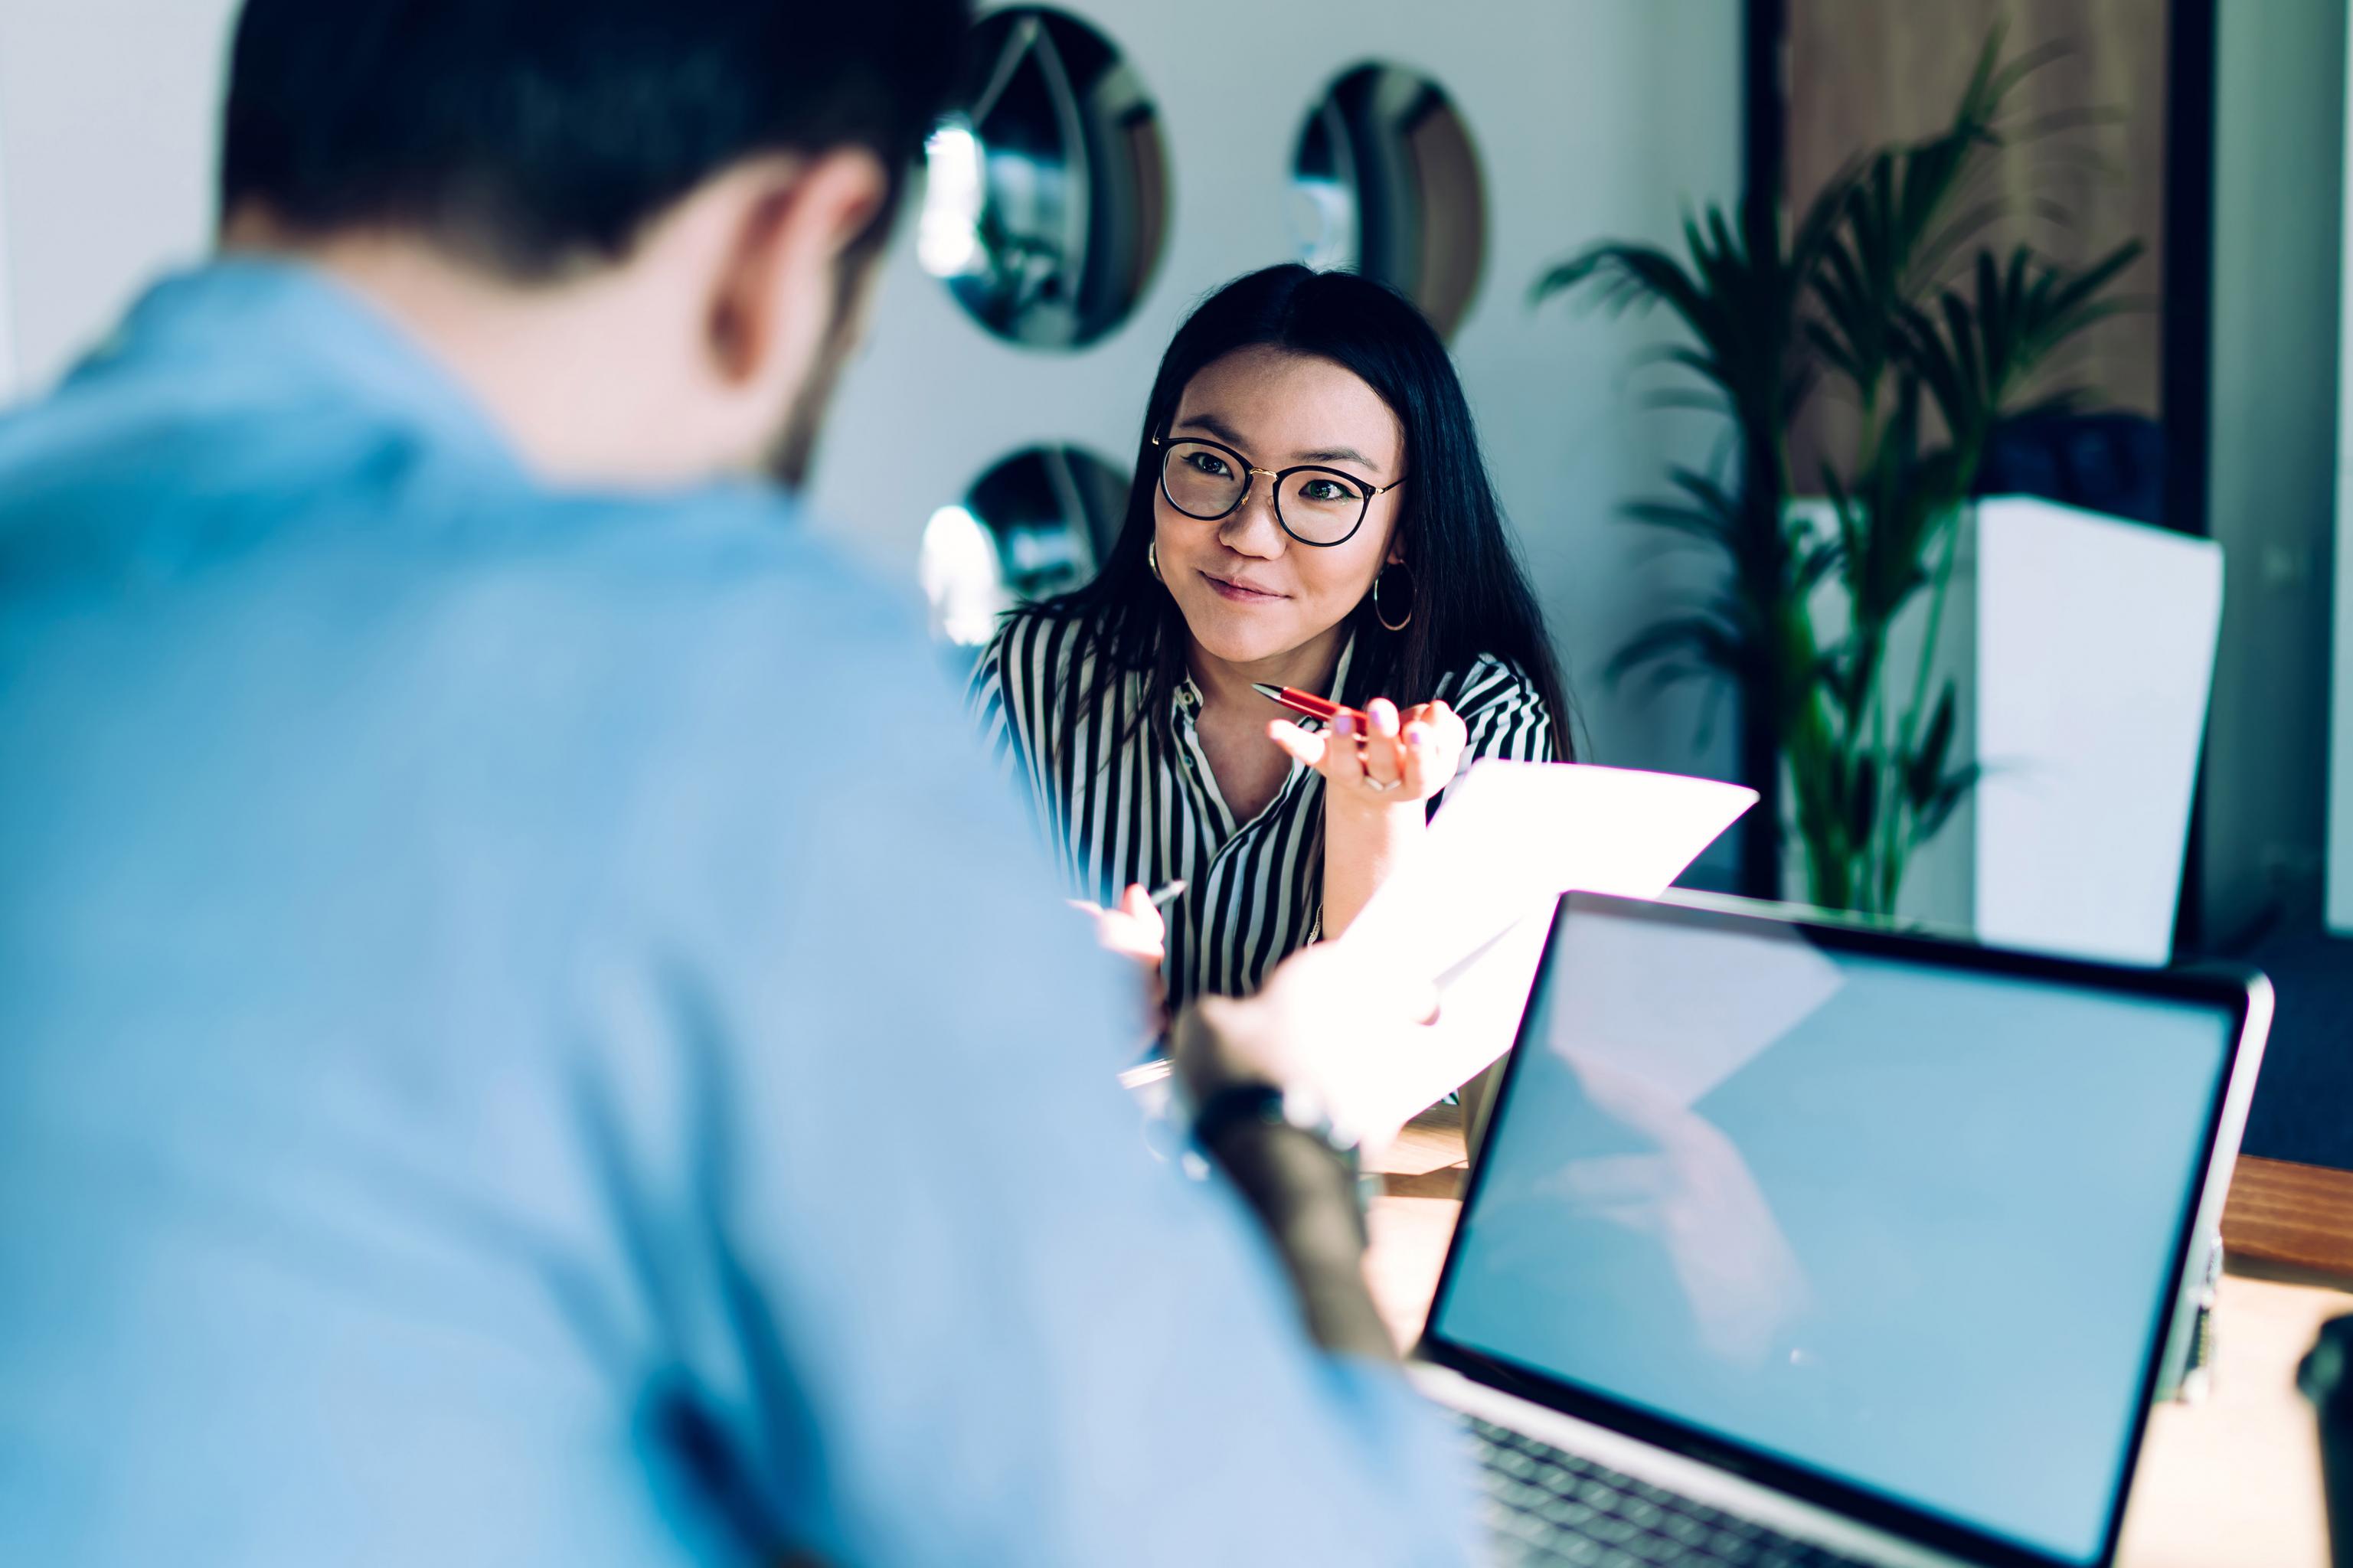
1376, 603
1151, 559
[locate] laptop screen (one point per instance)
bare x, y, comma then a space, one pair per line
1905, 1224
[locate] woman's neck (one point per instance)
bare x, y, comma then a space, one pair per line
1307, 668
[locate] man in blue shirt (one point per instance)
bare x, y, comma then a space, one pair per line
525, 1035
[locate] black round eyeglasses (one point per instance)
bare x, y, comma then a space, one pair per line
1209, 482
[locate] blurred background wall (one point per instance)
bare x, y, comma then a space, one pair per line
109, 133
2279, 141
2340, 812
1598, 118
1862, 72
2276, 405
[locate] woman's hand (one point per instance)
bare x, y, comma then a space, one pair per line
1403, 760
1133, 929
1376, 787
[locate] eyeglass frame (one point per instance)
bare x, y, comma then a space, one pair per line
1250, 479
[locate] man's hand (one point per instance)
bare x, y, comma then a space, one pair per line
1305, 1028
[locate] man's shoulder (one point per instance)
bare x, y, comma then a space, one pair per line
253, 491
693, 583
743, 555
726, 601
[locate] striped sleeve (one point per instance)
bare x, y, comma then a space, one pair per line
1504, 713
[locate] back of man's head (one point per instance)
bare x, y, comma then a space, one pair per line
641, 232
536, 136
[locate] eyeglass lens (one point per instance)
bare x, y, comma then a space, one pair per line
1316, 505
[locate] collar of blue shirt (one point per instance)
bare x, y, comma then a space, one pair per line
275, 329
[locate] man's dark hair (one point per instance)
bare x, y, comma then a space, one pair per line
534, 135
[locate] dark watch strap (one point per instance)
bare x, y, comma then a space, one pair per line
1264, 1105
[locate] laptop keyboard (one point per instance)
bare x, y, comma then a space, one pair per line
1545, 1506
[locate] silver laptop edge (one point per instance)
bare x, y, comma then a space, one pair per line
1767, 1505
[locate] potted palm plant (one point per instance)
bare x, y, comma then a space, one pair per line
1872, 289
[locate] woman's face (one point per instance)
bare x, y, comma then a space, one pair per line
1250, 593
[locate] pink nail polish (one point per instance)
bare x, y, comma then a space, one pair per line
1343, 724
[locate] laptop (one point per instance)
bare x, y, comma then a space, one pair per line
1794, 1243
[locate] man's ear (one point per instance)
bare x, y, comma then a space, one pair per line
778, 284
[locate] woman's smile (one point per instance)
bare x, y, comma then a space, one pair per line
1241, 593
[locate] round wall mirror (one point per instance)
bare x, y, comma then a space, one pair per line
1033, 526
1046, 195
1384, 179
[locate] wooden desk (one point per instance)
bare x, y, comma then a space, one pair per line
2231, 1482
2297, 1218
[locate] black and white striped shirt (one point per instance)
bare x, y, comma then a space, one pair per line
1146, 808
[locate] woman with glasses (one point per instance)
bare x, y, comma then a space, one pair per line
1310, 510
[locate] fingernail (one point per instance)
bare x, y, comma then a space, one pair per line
1415, 734
1343, 724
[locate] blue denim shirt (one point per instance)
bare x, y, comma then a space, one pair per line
527, 1035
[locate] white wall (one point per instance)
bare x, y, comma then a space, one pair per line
7, 292
2279, 135
109, 131
1600, 118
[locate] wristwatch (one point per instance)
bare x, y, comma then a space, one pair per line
1263, 1104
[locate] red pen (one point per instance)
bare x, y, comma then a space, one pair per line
1313, 706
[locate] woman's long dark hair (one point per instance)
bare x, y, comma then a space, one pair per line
1470, 596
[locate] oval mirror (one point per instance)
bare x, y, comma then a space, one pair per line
1033, 526
1046, 195
1384, 179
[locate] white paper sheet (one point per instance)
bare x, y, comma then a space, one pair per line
1470, 911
